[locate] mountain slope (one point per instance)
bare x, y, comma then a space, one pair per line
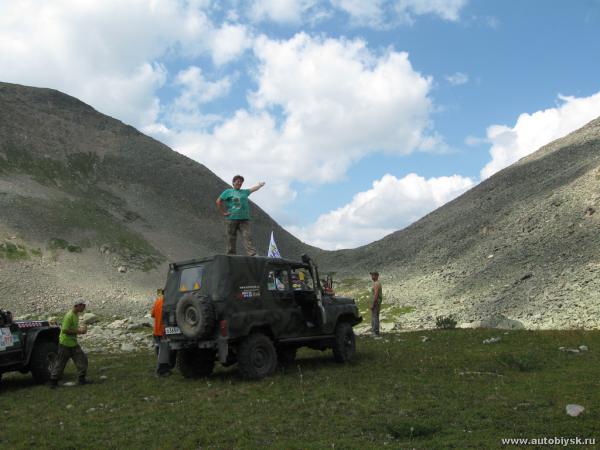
85, 190
523, 244
90, 206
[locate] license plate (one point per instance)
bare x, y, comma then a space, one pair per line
172, 330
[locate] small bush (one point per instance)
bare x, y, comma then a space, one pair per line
12, 251
445, 322
57, 243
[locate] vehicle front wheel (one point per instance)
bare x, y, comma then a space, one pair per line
344, 342
257, 357
195, 362
43, 358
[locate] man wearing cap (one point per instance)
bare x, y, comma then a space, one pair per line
68, 347
237, 214
375, 305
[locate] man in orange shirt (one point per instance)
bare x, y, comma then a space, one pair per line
162, 369
156, 313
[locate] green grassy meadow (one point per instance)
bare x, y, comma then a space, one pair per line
402, 391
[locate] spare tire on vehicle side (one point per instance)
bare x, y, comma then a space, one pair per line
195, 316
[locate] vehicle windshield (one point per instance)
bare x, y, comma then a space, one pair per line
301, 280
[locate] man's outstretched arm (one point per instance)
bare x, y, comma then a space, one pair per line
257, 187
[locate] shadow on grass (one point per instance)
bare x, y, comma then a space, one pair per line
408, 430
14, 383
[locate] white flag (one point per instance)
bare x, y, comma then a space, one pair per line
273, 250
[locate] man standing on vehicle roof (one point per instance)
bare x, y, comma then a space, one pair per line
375, 305
68, 347
237, 214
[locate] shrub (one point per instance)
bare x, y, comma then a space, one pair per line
445, 322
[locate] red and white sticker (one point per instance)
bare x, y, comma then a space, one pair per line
6, 338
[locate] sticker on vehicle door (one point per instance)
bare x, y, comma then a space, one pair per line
6, 338
249, 292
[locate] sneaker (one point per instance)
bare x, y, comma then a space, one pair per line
53, 384
83, 381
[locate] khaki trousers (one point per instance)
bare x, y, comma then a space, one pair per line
66, 353
231, 229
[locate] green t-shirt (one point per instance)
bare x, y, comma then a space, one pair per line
70, 322
236, 201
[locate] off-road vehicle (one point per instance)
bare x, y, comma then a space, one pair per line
254, 311
27, 346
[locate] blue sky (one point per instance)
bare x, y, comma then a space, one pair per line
360, 116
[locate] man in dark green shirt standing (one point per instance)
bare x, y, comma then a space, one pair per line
69, 348
233, 205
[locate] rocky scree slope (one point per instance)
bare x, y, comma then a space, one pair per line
522, 248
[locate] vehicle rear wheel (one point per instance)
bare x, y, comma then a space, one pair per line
195, 316
257, 357
43, 358
344, 342
195, 362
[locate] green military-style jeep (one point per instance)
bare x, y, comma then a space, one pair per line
27, 346
254, 311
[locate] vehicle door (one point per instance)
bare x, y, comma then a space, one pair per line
278, 300
303, 286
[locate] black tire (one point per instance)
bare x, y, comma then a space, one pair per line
195, 316
344, 342
195, 362
286, 356
43, 358
257, 357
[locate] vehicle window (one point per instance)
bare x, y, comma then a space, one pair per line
191, 279
301, 280
277, 280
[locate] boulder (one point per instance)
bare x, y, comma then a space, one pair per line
89, 318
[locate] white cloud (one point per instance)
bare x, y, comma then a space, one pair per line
446, 9
367, 13
321, 105
457, 78
532, 131
387, 13
228, 42
108, 53
280, 11
390, 205
197, 90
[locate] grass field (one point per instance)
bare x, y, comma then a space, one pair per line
402, 391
